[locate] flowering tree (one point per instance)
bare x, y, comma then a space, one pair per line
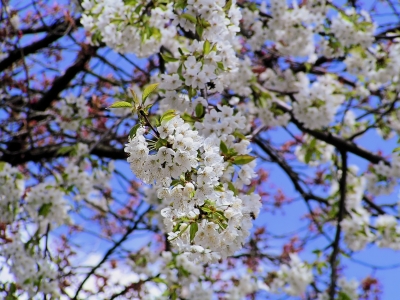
206, 102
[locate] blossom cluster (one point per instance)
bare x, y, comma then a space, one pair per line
347, 287
313, 151
191, 178
127, 27
313, 103
357, 225
82, 182
46, 204
72, 110
317, 104
174, 269
32, 272
12, 187
382, 179
293, 278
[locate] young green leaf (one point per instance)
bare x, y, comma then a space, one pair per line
189, 17
206, 47
251, 190
168, 58
238, 135
307, 157
161, 143
313, 143
199, 29
134, 97
121, 104
223, 147
45, 209
219, 188
147, 108
188, 118
64, 150
148, 90
132, 132
168, 115
228, 5
159, 280
242, 159
220, 65
233, 188
199, 110
194, 227
192, 92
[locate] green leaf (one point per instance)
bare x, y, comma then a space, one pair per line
174, 296
180, 4
242, 159
228, 5
159, 280
188, 118
233, 188
135, 97
13, 288
220, 65
133, 2
313, 143
318, 252
64, 150
343, 296
199, 30
2, 165
204, 23
223, 147
147, 108
168, 115
219, 188
189, 17
120, 104
232, 152
132, 132
156, 33
179, 71
148, 90
154, 119
220, 215
168, 58
251, 190
192, 92
194, 227
45, 209
69, 189
238, 135
206, 209
307, 157
199, 110
397, 149
161, 143
206, 47
175, 182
